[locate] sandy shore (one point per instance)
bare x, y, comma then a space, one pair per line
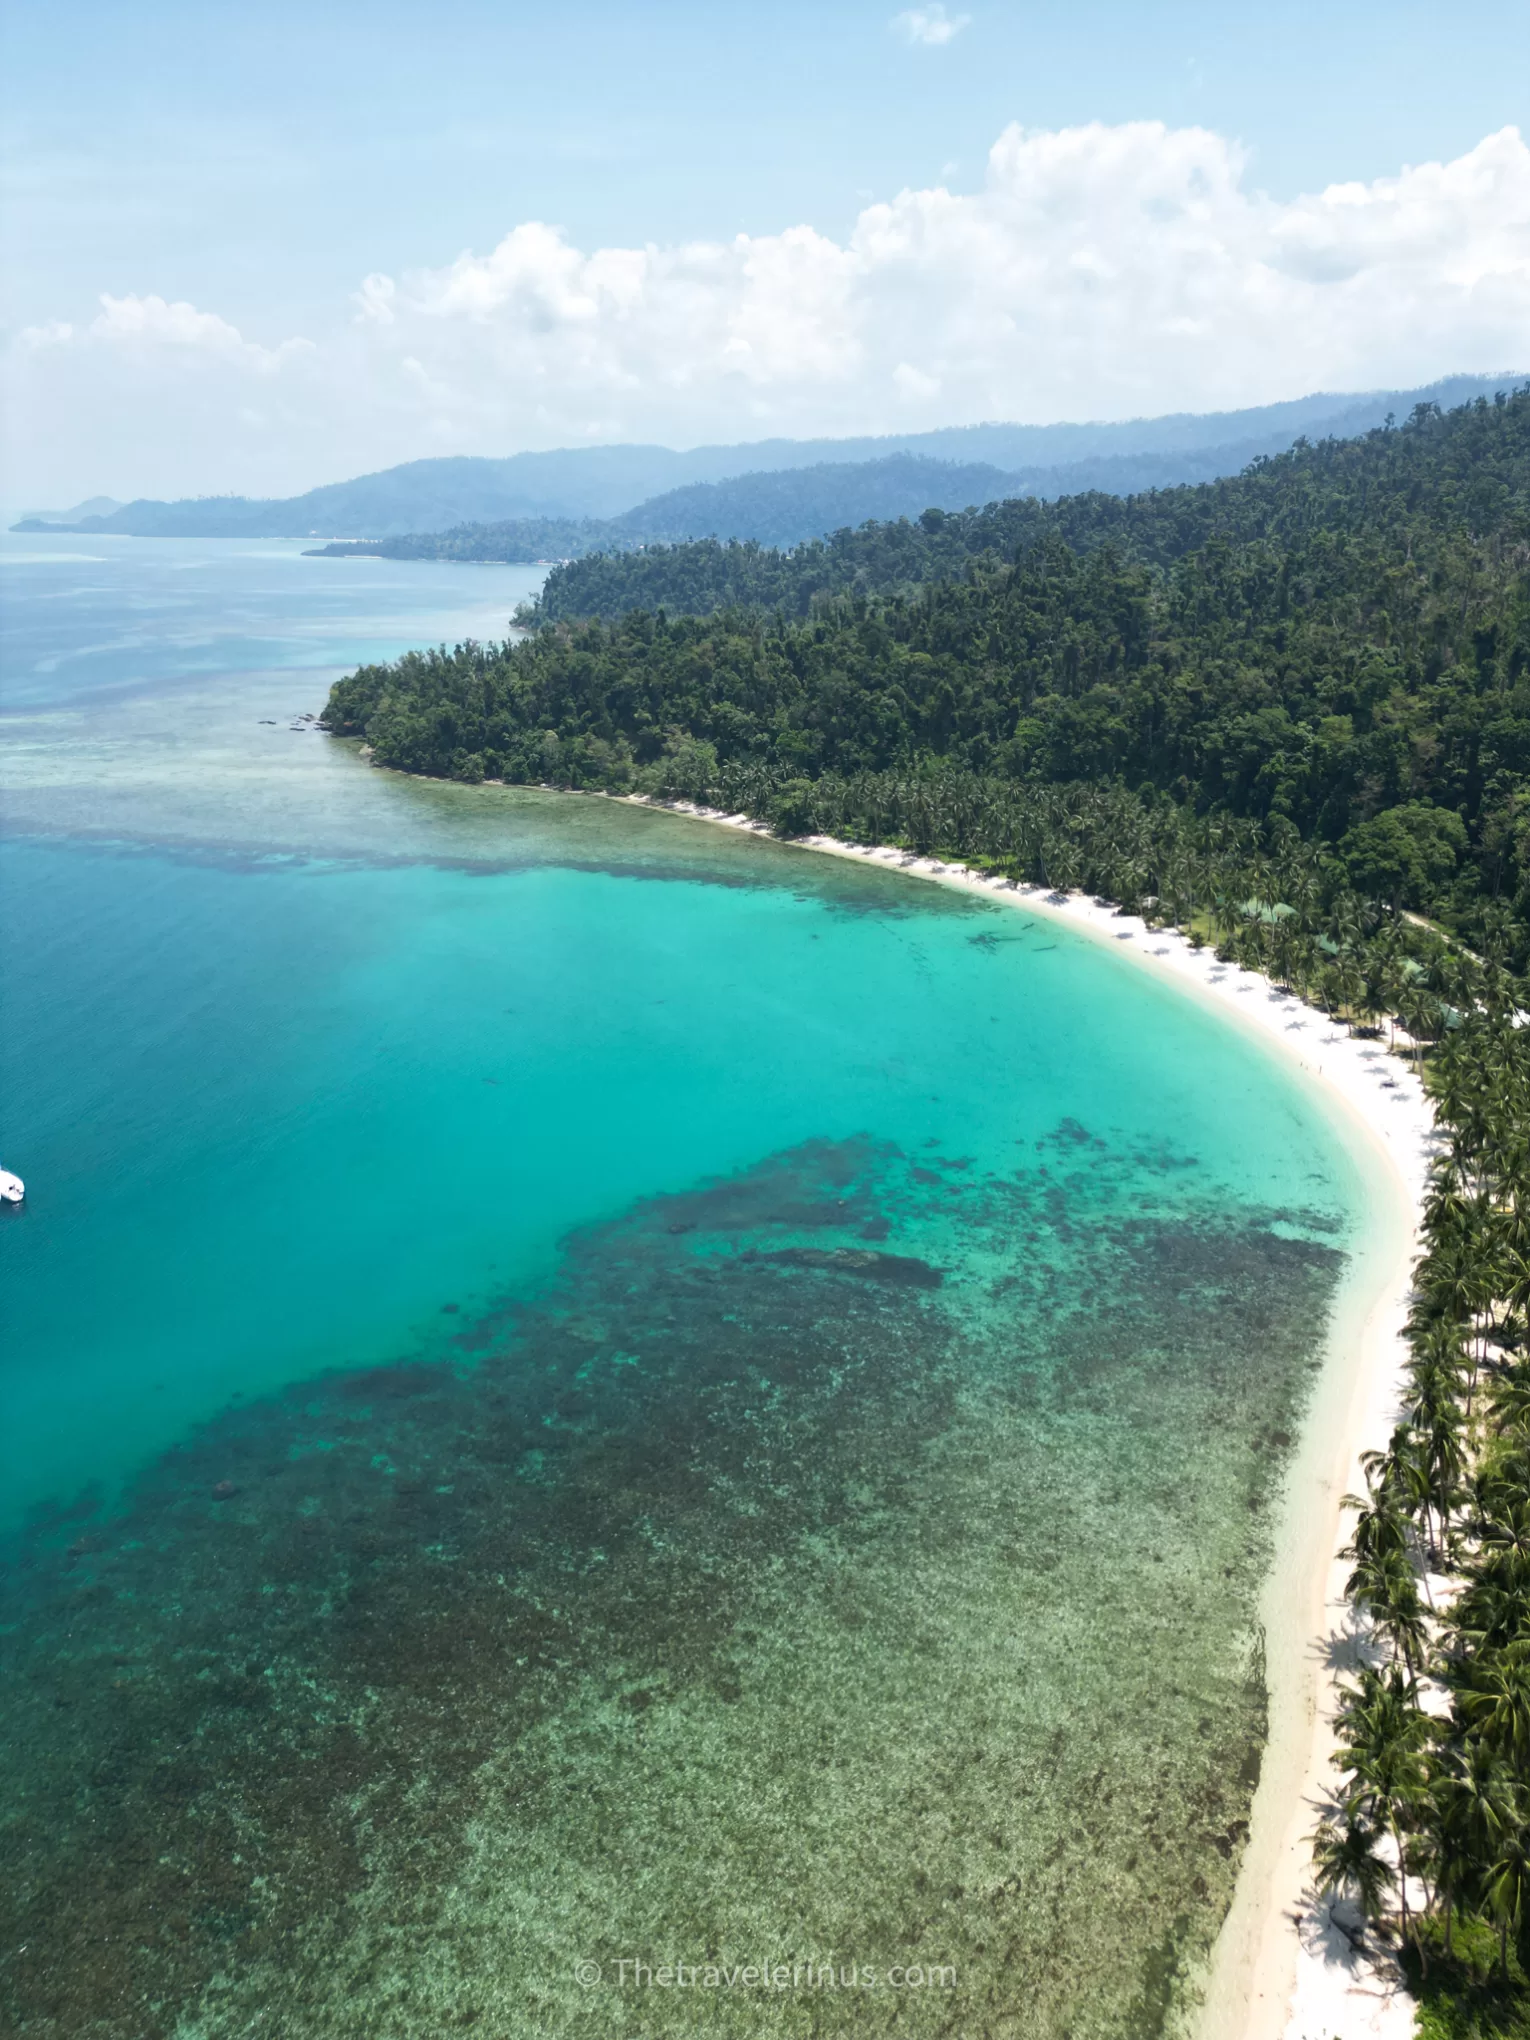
1282, 1971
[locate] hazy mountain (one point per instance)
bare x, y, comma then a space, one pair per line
786, 505
777, 507
604, 482
93, 506
783, 506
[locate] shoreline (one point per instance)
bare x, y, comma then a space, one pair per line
1280, 1970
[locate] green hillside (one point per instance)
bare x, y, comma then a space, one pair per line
1339, 638
1347, 486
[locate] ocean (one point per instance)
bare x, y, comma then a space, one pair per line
588, 1400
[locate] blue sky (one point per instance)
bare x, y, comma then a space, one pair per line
257, 163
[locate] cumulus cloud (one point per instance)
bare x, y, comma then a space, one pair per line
1099, 271
929, 26
149, 323
375, 299
159, 397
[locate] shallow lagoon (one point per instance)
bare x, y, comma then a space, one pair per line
593, 1392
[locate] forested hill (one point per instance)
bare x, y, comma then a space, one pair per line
1339, 485
773, 506
1340, 638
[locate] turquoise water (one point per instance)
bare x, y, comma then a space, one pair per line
582, 1390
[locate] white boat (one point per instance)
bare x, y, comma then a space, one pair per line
12, 1189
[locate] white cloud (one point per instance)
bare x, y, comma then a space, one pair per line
1098, 272
149, 323
928, 26
164, 398
913, 384
375, 299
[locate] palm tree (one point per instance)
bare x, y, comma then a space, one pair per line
1385, 1585
1509, 1399
1380, 1527
1346, 1864
1383, 1735
1349, 985
1506, 1885
1444, 1456
1474, 1808
1487, 1614
1493, 1694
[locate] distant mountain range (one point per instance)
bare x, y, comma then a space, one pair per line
93, 506
777, 490
779, 507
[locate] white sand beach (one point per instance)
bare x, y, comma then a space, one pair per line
1282, 1971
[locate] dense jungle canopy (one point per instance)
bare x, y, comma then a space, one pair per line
1339, 638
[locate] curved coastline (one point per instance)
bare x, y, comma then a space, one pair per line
1280, 1971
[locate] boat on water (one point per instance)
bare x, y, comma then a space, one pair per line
12, 1189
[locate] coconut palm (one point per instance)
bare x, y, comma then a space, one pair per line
1493, 1696
1349, 985
1383, 1735
1385, 1585
1506, 1886
1474, 1807
1346, 1865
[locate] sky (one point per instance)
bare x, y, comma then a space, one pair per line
254, 249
